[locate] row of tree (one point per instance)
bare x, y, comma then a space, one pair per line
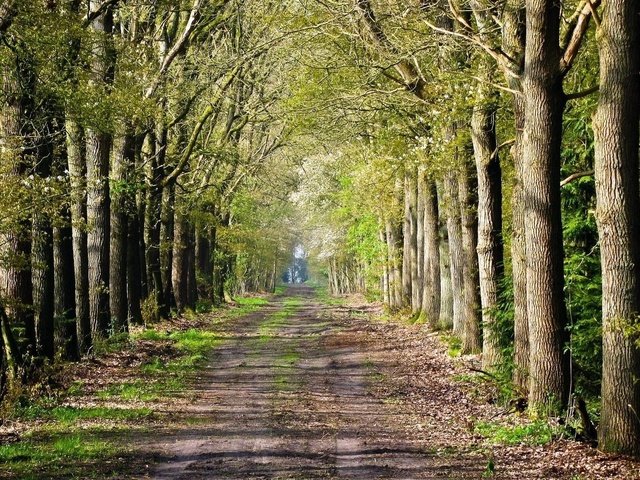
132, 137
466, 154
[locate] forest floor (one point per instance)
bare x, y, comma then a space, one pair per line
298, 386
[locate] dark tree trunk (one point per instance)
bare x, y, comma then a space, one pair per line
77, 171
166, 242
203, 261
446, 287
180, 271
513, 40
66, 338
192, 284
134, 273
16, 244
42, 255
121, 205
416, 291
618, 201
152, 225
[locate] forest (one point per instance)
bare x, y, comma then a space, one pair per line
471, 165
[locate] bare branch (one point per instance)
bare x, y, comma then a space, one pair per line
576, 176
413, 81
583, 93
577, 34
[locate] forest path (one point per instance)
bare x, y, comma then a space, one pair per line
291, 396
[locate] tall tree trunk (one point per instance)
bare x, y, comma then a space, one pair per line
467, 185
78, 208
98, 149
98, 153
446, 286
384, 281
395, 278
135, 276
513, 40
16, 244
203, 260
618, 201
166, 241
419, 282
66, 338
544, 105
490, 245
42, 253
407, 241
456, 252
431, 255
180, 271
121, 204
192, 284
152, 224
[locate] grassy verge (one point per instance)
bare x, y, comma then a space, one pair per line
535, 433
79, 428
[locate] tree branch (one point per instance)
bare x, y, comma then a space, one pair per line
413, 81
583, 93
206, 114
577, 35
576, 176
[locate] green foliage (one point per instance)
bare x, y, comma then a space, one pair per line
68, 415
144, 390
114, 343
454, 344
27, 454
534, 433
582, 256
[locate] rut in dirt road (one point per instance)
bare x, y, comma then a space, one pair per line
287, 397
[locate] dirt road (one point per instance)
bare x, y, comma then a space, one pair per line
305, 390
288, 397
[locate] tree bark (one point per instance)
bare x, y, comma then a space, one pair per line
446, 287
121, 205
419, 284
42, 256
544, 105
431, 256
66, 338
490, 246
78, 208
407, 242
467, 186
513, 41
615, 127
456, 255
98, 142
180, 271
16, 243
166, 242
